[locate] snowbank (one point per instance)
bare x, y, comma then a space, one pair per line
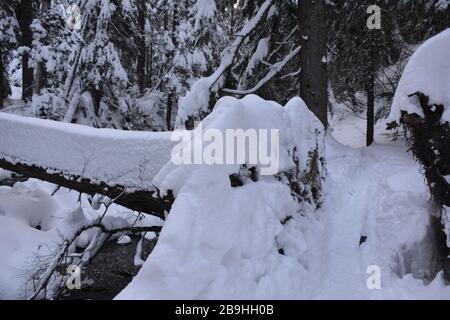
225, 242
428, 72
113, 156
33, 222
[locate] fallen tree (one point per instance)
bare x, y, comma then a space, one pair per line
118, 164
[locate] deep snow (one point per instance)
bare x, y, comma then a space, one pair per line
113, 156
224, 243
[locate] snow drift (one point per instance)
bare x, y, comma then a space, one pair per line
225, 242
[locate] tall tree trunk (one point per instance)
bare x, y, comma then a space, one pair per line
24, 14
41, 72
5, 89
141, 68
370, 105
313, 75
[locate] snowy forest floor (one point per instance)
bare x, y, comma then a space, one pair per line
376, 211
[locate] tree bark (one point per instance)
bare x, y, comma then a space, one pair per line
142, 200
141, 67
313, 75
5, 89
370, 107
41, 72
24, 14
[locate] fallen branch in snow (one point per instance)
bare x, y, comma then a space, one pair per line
273, 71
141, 200
59, 257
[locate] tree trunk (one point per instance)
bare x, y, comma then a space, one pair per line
145, 201
5, 90
169, 111
370, 107
313, 76
41, 72
24, 14
141, 68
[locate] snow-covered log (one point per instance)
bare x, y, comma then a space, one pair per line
119, 164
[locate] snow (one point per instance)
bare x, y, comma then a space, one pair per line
428, 72
124, 240
197, 98
225, 243
117, 157
261, 52
30, 204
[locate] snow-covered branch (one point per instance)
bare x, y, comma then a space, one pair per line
197, 98
274, 70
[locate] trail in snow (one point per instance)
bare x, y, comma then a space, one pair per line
376, 192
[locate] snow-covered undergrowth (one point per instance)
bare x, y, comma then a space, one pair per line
33, 223
113, 156
427, 72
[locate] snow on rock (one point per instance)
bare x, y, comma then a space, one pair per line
225, 242
113, 156
428, 72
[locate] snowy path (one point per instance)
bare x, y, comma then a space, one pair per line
379, 193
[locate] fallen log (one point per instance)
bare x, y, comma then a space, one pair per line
115, 163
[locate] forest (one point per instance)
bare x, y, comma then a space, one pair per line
224, 149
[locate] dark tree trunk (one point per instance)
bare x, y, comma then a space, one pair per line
370, 107
169, 112
146, 201
5, 89
24, 14
313, 76
96, 99
141, 68
41, 72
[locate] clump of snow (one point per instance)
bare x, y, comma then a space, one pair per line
261, 52
446, 223
117, 157
196, 100
225, 242
428, 72
124, 240
5, 174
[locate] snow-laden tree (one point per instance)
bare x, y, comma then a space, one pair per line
54, 45
103, 81
8, 39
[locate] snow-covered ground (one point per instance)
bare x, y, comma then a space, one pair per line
232, 247
33, 218
221, 245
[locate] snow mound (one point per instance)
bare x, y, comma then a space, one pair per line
428, 72
113, 156
225, 242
